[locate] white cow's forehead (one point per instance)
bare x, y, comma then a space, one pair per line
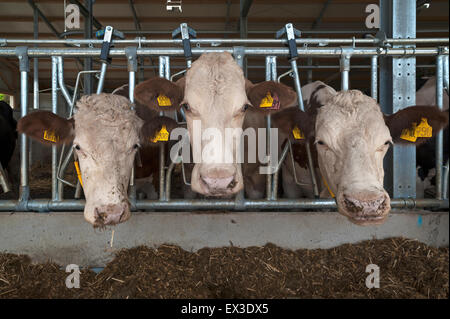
351, 113
214, 77
104, 120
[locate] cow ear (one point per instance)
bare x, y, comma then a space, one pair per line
270, 96
157, 130
296, 124
159, 94
416, 124
122, 90
47, 128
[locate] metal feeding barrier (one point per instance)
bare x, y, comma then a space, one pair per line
288, 40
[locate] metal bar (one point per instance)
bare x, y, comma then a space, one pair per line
302, 107
244, 40
101, 80
88, 79
44, 18
3, 180
373, 77
45, 205
270, 68
55, 69
164, 72
22, 54
345, 68
320, 16
137, 24
314, 52
445, 183
440, 135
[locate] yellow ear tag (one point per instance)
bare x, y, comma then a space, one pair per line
50, 136
298, 135
77, 168
163, 100
409, 134
423, 129
162, 135
267, 101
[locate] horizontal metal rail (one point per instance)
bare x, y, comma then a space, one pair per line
144, 41
46, 205
304, 51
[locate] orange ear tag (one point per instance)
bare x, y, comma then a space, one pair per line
77, 168
267, 101
298, 135
50, 136
164, 100
162, 135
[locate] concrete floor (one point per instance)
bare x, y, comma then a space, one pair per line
66, 238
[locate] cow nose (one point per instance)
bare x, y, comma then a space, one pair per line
365, 204
110, 215
221, 183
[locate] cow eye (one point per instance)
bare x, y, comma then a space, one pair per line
245, 107
77, 147
186, 106
136, 146
320, 142
388, 143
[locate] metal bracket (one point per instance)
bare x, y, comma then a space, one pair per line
3, 42
24, 61
346, 54
106, 45
291, 33
131, 54
185, 32
239, 54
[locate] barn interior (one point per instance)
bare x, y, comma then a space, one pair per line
43, 203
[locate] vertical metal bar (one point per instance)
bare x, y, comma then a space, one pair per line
446, 74
101, 80
397, 91
35, 79
269, 67
374, 77
131, 85
302, 107
88, 35
55, 194
3, 180
345, 68
164, 72
22, 53
440, 135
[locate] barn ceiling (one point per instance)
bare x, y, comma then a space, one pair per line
210, 18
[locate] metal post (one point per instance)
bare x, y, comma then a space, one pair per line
132, 68
398, 89
374, 77
345, 68
440, 136
55, 194
88, 35
22, 54
164, 72
3, 180
271, 67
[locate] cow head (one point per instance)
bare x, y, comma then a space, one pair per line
215, 95
352, 136
105, 133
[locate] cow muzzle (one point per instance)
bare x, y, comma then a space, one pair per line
365, 208
112, 214
221, 181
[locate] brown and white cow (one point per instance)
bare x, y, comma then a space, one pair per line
351, 137
215, 96
106, 134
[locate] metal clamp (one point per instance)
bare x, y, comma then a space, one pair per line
24, 61
185, 32
131, 54
291, 33
106, 45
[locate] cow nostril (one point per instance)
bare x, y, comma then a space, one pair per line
352, 205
